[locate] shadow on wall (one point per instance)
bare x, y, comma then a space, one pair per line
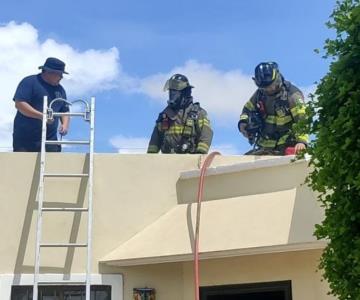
306, 213
31, 207
243, 183
191, 229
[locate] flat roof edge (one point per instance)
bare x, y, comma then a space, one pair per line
245, 166
217, 254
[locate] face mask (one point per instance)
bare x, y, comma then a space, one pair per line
174, 98
273, 88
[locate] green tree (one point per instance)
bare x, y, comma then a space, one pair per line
334, 119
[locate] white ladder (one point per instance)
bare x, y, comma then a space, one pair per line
49, 114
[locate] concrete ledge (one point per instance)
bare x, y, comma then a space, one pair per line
217, 254
244, 166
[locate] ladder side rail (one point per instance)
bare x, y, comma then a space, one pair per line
90, 199
40, 199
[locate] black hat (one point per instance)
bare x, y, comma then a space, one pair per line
53, 64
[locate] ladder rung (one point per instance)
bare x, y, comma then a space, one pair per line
62, 282
65, 245
65, 175
70, 209
63, 142
70, 114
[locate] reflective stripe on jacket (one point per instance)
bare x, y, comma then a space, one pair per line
183, 131
280, 112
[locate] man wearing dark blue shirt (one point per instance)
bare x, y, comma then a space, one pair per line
28, 99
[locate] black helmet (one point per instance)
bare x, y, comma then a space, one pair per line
266, 73
177, 82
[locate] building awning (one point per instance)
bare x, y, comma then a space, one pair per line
255, 224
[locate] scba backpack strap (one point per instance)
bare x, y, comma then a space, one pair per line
194, 116
191, 129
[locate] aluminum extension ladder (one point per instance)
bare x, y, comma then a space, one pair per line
89, 116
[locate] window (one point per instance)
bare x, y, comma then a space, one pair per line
279, 290
68, 292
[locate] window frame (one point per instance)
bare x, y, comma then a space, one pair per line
247, 288
28, 289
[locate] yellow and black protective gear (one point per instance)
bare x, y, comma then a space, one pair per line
186, 130
279, 113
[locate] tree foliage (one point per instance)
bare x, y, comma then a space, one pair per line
334, 119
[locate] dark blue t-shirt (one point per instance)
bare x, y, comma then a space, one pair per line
32, 90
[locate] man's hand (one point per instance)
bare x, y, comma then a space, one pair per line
242, 129
64, 127
299, 147
63, 130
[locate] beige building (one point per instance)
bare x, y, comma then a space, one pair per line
256, 235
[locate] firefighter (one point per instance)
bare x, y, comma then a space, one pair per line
183, 126
267, 119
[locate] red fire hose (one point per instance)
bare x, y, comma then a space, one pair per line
204, 167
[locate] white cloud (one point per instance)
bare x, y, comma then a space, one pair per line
21, 52
221, 93
225, 149
5, 135
129, 145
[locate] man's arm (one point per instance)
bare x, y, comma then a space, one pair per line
65, 120
205, 135
248, 108
27, 110
155, 140
64, 127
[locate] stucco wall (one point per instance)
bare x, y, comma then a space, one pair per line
131, 192
250, 182
176, 281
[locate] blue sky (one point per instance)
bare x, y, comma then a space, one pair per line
122, 52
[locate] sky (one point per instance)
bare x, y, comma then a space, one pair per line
122, 52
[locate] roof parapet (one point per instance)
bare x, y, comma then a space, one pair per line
245, 166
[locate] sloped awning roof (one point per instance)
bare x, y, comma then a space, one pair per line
263, 223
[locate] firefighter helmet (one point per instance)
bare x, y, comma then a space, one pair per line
177, 82
266, 73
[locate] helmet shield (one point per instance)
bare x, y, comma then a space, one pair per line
177, 82
266, 74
